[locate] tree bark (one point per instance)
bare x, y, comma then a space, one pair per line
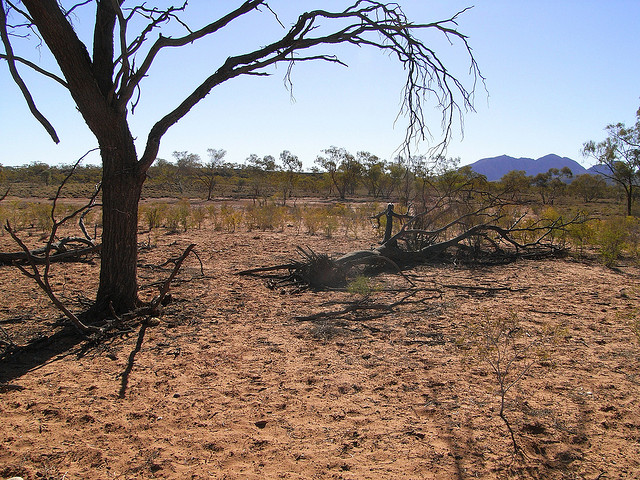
121, 189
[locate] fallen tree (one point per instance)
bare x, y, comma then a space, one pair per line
64, 250
480, 232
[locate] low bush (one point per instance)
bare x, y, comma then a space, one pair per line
39, 216
582, 235
199, 215
230, 218
265, 217
610, 238
154, 214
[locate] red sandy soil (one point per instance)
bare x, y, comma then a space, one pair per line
231, 385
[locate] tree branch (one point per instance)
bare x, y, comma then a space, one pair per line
127, 89
9, 57
42, 278
426, 74
35, 67
103, 52
76, 65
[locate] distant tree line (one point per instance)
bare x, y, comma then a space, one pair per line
336, 173
43, 174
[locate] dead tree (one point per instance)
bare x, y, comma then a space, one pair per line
483, 230
105, 81
64, 250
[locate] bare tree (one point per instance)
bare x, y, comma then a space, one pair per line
105, 81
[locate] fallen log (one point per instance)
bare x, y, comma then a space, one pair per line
64, 250
462, 240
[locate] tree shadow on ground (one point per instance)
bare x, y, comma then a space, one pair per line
38, 352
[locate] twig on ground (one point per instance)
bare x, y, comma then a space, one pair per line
157, 301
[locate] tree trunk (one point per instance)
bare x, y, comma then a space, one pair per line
121, 190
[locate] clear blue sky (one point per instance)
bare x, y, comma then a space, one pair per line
557, 72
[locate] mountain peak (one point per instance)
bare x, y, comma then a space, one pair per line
494, 168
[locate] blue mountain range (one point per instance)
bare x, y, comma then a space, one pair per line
494, 168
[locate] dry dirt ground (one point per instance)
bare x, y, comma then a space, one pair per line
230, 384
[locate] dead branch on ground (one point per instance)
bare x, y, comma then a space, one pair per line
33, 270
157, 304
158, 301
458, 232
64, 250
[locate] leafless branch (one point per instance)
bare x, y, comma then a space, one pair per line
125, 68
35, 67
157, 301
10, 58
42, 278
43, 282
126, 91
20, 11
359, 25
77, 5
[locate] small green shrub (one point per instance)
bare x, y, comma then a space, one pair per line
633, 237
154, 214
525, 235
548, 216
178, 215
215, 217
265, 217
39, 215
16, 214
581, 235
198, 215
362, 285
365, 213
172, 220
330, 224
610, 237
183, 211
313, 219
296, 215
349, 222
230, 218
